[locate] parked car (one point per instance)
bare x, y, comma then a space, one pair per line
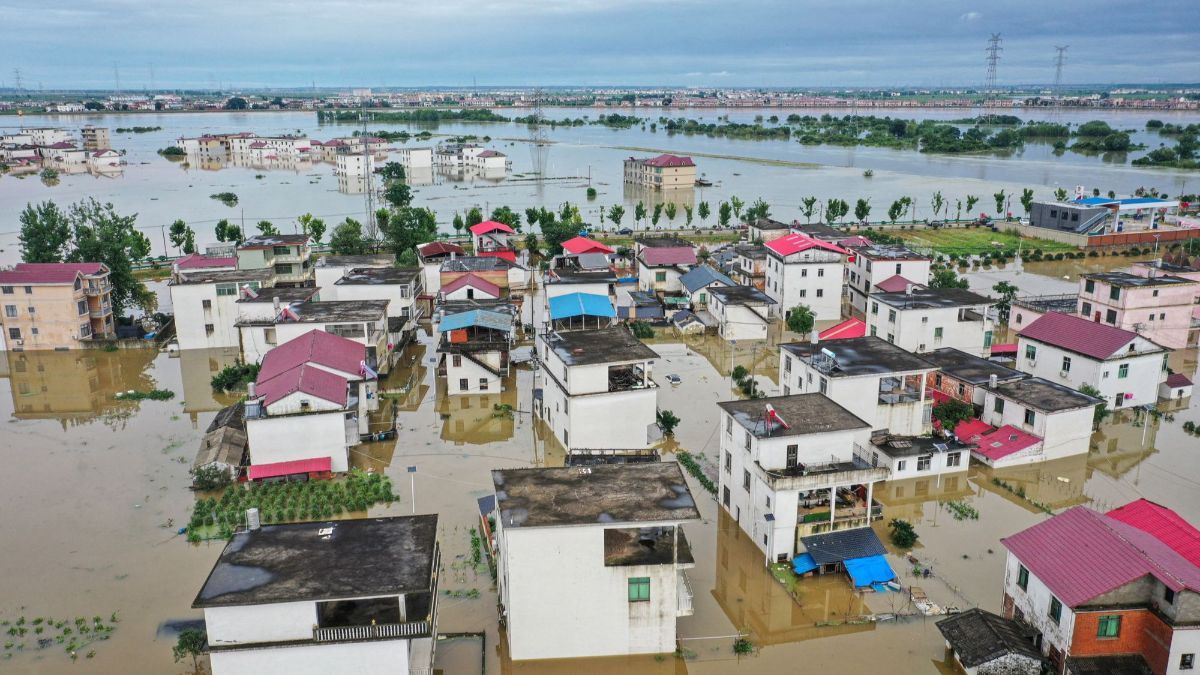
625, 231
675, 380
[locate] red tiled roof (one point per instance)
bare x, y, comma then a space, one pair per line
196, 261
510, 256
490, 226
439, 248
850, 328
669, 255
796, 242
48, 273
490, 153
894, 284
1178, 380
1163, 524
857, 240
314, 465
970, 431
474, 281
315, 346
1077, 334
1080, 554
305, 378
1005, 441
579, 245
670, 161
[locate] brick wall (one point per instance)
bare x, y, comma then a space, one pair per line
1142, 632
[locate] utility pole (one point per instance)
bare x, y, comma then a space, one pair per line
993, 58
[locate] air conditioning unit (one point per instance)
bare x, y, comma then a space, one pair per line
1064, 373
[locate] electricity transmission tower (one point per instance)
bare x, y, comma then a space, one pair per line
372, 227
116, 79
539, 142
993, 58
1060, 60
17, 80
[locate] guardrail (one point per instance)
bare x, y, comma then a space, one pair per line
372, 632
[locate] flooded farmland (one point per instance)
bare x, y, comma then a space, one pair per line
98, 488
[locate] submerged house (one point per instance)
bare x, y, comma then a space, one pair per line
988, 644
325, 597
224, 443
610, 538
473, 353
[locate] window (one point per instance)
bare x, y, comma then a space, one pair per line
660, 276
82, 306
897, 268
725, 496
874, 307
792, 455
937, 380
803, 292
820, 272
483, 384
1187, 661
891, 338
1123, 371
1114, 293
1030, 416
464, 384
10, 311
747, 441
1089, 286
746, 480
456, 360
1109, 626
1086, 309
1168, 596
1030, 352
269, 336
954, 459
892, 316
1053, 213
937, 333
728, 426
1155, 294
1111, 316
873, 331
803, 272
8, 290
787, 364
280, 250
1055, 610
728, 462
923, 463
283, 268
85, 330
209, 329
900, 466
1066, 364
998, 406
1022, 578
820, 292
29, 290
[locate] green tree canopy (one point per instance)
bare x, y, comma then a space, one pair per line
945, 277
406, 229
45, 233
503, 214
801, 320
347, 239
398, 194
266, 228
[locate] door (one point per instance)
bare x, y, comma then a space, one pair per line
1120, 399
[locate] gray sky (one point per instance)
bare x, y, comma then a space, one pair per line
247, 43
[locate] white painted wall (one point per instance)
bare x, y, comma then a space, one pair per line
562, 602
469, 292
1034, 603
191, 318
815, 284
647, 279
739, 322
859, 395
400, 297
373, 657
473, 374
863, 275
277, 622
293, 437
915, 330
906, 467
1065, 434
1145, 371
587, 422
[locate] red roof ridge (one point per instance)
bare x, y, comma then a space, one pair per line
797, 241
472, 279
1077, 334
490, 226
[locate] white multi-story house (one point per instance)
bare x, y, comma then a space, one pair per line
415, 158
592, 377
661, 262
355, 164
1105, 589
309, 405
493, 239
400, 286
1123, 366
789, 470
924, 319
765, 230
205, 305
364, 321
610, 538
802, 270
872, 378
45, 135
473, 354
872, 265
281, 145
331, 268
294, 599
742, 312
1035, 420
286, 255
916, 456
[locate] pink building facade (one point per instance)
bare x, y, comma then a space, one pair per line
1159, 307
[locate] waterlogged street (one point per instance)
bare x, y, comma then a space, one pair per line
98, 488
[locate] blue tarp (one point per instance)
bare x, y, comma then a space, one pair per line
870, 570
803, 564
580, 304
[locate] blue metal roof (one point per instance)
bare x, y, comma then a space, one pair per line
580, 304
476, 317
842, 545
702, 275
803, 564
868, 571
1095, 201
1130, 201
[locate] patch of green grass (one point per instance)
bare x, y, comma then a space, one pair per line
963, 241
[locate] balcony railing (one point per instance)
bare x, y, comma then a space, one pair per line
683, 595
100, 312
98, 289
382, 631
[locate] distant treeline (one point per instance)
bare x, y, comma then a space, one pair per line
425, 115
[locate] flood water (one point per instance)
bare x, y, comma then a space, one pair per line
779, 171
97, 488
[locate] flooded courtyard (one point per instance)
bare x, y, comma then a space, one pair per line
98, 488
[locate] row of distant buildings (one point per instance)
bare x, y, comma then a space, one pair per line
29, 150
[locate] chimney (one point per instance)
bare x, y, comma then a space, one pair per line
993, 380
253, 522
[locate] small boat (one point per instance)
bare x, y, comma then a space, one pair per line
700, 182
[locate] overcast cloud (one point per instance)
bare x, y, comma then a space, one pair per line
248, 43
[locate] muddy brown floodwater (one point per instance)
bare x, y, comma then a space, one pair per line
95, 489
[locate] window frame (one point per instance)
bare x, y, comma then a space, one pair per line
1108, 627
638, 589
